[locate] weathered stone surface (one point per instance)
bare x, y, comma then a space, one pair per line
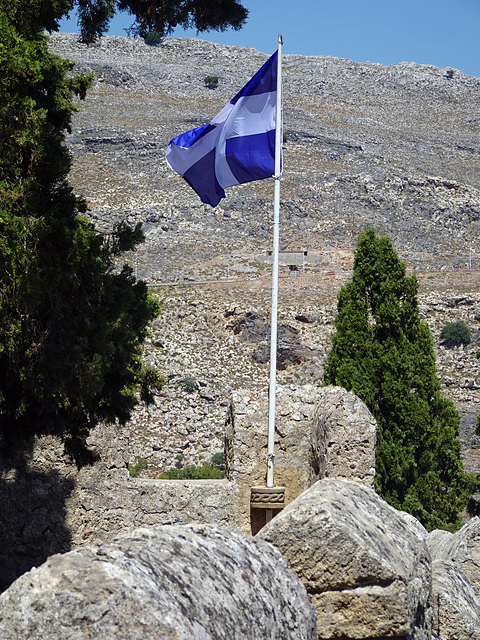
254, 329
246, 443
461, 548
349, 433
48, 506
366, 568
455, 597
320, 432
192, 582
455, 603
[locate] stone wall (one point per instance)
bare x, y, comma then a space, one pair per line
320, 432
347, 436
48, 506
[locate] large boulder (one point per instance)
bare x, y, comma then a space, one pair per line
365, 565
173, 582
455, 597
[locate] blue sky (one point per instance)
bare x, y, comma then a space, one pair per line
443, 33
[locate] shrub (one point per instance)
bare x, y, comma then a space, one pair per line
218, 459
189, 384
152, 38
454, 334
207, 471
137, 468
179, 461
211, 82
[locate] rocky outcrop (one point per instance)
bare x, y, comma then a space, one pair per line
180, 583
351, 155
455, 597
366, 567
254, 329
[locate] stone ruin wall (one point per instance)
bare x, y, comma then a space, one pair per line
47, 506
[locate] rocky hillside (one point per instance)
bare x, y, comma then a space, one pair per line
210, 338
397, 147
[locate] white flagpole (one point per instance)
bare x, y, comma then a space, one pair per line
273, 320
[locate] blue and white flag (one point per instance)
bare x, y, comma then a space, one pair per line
237, 146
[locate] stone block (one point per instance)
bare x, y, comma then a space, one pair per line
365, 566
173, 582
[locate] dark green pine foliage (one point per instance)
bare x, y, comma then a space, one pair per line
160, 16
71, 325
384, 353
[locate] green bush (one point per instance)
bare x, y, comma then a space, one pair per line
218, 459
211, 82
152, 38
454, 334
207, 471
137, 469
189, 384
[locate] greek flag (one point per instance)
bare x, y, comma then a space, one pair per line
237, 146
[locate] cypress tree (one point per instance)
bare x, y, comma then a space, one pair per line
72, 319
384, 353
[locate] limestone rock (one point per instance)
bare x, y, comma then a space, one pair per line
348, 432
455, 598
193, 582
366, 568
319, 432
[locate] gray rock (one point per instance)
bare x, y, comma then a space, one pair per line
347, 433
366, 568
455, 598
319, 432
192, 582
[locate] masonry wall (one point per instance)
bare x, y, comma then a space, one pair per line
48, 506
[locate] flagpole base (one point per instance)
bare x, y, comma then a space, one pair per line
267, 497
265, 504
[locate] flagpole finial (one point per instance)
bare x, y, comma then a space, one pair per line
280, 38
